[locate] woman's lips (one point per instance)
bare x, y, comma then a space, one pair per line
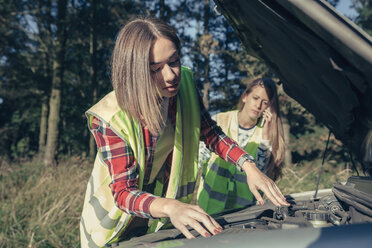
255, 112
174, 86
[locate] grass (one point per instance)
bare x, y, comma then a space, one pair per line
304, 177
41, 206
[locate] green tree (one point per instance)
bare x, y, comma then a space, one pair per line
19, 73
57, 80
93, 64
364, 18
87, 67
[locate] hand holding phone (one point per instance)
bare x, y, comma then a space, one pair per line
263, 121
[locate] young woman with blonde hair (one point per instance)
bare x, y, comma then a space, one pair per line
273, 131
257, 127
147, 133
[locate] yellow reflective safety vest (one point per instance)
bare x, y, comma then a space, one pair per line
102, 222
222, 186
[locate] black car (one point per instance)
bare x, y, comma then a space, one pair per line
324, 61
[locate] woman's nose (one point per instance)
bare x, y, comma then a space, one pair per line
259, 105
168, 74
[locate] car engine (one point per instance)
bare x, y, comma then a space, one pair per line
327, 210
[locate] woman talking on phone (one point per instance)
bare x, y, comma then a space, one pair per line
257, 127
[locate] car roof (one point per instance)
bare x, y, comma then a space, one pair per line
322, 58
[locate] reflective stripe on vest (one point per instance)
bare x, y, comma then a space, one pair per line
102, 221
223, 186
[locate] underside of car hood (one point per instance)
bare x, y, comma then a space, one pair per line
323, 60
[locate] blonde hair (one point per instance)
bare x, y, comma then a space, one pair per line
277, 133
131, 78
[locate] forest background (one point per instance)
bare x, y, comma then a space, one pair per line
54, 65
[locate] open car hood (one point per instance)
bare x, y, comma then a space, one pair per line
323, 60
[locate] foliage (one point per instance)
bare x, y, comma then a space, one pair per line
29, 48
364, 17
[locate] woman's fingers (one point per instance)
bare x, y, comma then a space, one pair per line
274, 194
278, 190
257, 180
183, 215
183, 229
268, 194
212, 226
257, 195
197, 227
218, 226
202, 217
267, 115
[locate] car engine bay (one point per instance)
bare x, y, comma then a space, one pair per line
346, 204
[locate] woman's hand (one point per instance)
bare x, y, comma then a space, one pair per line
267, 117
257, 180
182, 215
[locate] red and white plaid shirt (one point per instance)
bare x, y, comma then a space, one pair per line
118, 156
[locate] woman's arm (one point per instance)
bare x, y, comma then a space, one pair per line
121, 164
122, 167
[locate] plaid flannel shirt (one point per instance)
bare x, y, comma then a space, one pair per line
118, 156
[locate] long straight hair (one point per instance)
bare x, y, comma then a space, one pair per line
276, 133
135, 89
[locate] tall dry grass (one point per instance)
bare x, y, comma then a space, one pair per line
304, 177
41, 206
